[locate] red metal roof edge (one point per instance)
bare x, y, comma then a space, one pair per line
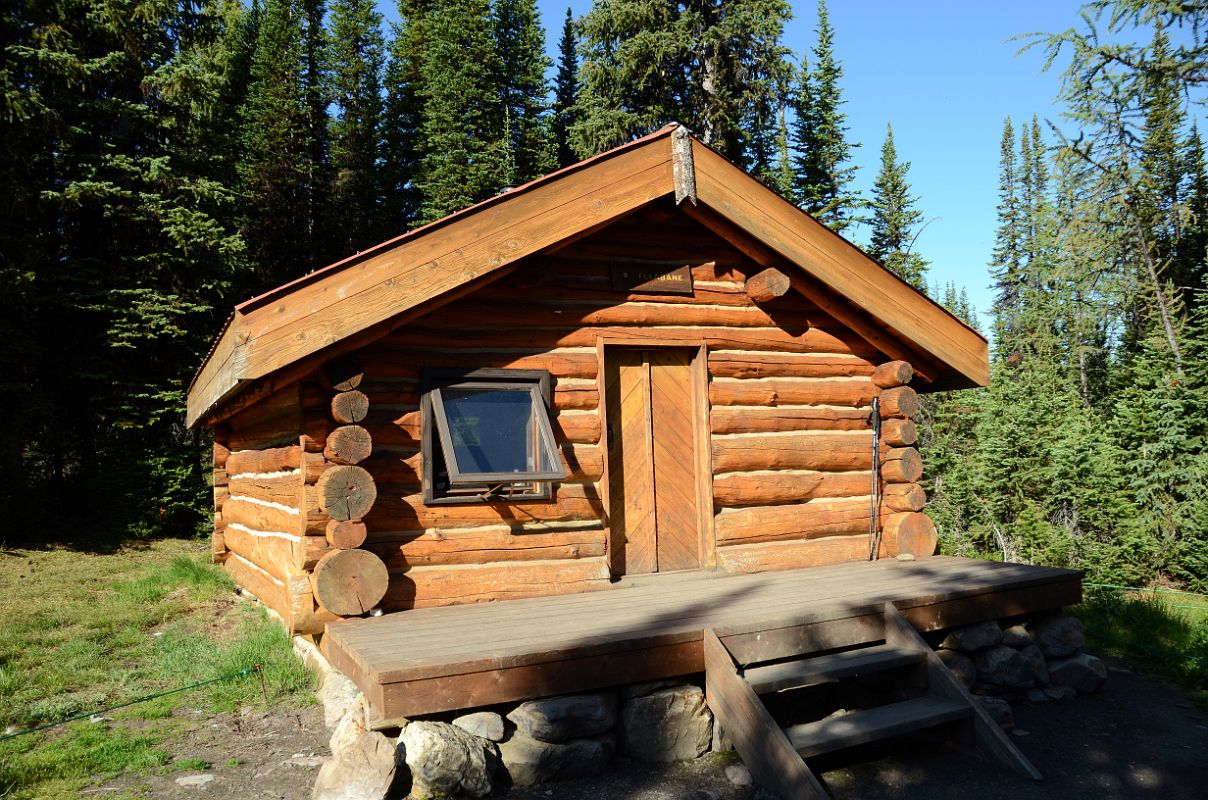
271, 294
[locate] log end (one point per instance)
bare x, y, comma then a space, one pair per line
350, 582
892, 374
768, 285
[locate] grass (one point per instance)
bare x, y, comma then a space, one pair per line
1164, 635
86, 632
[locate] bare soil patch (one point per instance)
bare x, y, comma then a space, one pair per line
1140, 738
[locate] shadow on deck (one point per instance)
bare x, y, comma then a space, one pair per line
430, 660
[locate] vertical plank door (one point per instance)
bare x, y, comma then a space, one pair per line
651, 461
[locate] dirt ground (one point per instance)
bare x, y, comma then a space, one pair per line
1140, 738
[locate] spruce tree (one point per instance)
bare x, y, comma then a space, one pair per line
462, 143
520, 41
277, 169
404, 113
708, 64
566, 89
895, 219
824, 172
1007, 263
357, 61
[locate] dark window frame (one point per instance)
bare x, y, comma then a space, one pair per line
431, 448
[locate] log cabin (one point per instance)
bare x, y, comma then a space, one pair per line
632, 374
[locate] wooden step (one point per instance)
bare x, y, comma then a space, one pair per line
874, 724
820, 669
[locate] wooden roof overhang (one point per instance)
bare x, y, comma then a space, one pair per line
273, 340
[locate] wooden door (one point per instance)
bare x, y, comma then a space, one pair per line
648, 397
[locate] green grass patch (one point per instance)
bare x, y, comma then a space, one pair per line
1164, 635
87, 632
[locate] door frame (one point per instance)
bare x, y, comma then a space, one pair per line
701, 423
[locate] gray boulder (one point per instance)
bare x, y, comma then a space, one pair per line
668, 725
1059, 636
1002, 666
960, 665
484, 724
339, 697
362, 766
531, 761
560, 719
1083, 672
1061, 692
445, 760
1016, 636
973, 637
999, 711
1035, 660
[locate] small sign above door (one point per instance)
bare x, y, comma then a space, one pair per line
651, 277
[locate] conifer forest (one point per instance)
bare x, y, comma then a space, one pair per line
162, 160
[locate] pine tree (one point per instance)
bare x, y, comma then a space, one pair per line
824, 173
520, 42
895, 218
566, 89
463, 150
1008, 260
277, 169
708, 64
357, 62
404, 113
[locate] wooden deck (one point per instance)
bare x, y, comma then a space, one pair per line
439, 659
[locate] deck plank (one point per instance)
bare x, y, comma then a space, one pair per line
435, 659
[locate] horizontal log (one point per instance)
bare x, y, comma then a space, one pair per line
904, 496
567, 393
392, 359
220, 478
220, 453
913, 532
349, 408
892, 374
273, 459
341, 374
395, 512
292, 600
901, 465
775, 487
221, 493
218, 548
420, 587
900, 402
798, 554
285, 490
313, 467
346, 492
349, 582
268, 519
732, 364
274, 409
276, 555
812, 340
799, 450
348, 444
644, 314
808, 520
345, 534
591, 293
790, 391
757, 419
899, 432
768, 285
578, 428
488, 545
273, 433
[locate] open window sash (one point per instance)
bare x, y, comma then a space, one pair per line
495, 433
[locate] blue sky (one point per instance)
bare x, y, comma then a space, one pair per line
946, 75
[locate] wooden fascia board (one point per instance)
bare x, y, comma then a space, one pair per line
316, 315
835, 263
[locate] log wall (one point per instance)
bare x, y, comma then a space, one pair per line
790, 432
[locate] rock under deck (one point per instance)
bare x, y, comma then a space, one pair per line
429, 660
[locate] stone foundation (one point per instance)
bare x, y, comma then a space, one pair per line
481, 752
